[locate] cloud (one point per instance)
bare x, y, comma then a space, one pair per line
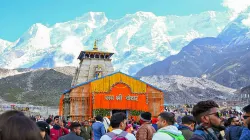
236, 6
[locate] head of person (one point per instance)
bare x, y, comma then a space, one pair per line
33, 119
188, 121
207, 115
226, 124
246, 116
4, 117
145, 117
99, 118
15, 126
165, 119
233, 121
75, 127
129, 128
86, 123
49, 121
44, 128
118, 121
63, 123
56, 120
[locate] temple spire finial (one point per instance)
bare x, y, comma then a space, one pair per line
95, 45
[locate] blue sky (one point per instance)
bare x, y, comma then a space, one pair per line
16, 16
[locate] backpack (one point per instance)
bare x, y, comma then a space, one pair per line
120, 136
176, 137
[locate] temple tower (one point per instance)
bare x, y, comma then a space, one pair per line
93, 64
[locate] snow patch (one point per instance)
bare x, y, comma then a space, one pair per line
246, 21
192, 35
144, 49
212, 14
72, 45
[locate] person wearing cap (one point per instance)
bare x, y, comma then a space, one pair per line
44, 129
146, 131
187, 126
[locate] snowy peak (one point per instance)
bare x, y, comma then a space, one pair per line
4, 44
37, 36
37, 30
142, 15
238, 29
135, 39
95, 18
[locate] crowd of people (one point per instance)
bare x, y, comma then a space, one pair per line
204, 122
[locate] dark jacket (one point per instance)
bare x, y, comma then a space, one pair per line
233, 132
186, 132
206, 134
71, 136
47, 137
245, 134
155, 126
86, 134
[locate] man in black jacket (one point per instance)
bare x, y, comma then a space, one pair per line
75, 130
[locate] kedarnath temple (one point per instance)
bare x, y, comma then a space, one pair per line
97, 89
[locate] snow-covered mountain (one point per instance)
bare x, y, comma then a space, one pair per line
136, 39
224, 59
237, 32
4, 44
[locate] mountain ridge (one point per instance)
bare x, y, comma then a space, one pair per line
223, 59
43, 87
141, 36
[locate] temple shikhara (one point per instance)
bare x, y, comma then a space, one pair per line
97, 89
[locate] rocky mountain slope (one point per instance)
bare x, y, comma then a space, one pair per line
45, 86
181, 90
37, 87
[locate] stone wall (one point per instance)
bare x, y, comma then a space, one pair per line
86, 70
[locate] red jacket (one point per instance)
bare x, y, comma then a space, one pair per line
56, 132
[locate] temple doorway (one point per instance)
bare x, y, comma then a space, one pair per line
116, 111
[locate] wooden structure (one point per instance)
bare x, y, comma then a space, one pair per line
116, 91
